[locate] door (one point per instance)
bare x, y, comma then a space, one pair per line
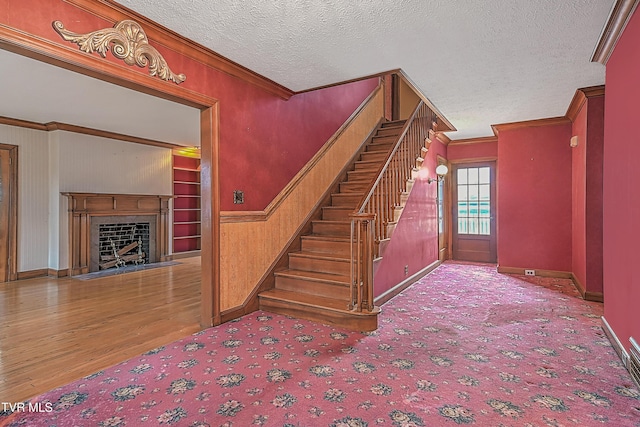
7, 212
474, 225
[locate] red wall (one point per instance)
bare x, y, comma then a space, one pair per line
534, 197
264, 140
415, 239
621, 177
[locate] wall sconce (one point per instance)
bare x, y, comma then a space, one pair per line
441, 171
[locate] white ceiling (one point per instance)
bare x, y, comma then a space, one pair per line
42, 93
480, 62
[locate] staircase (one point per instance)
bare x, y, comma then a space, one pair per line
317, 283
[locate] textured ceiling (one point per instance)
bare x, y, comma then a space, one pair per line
480, 62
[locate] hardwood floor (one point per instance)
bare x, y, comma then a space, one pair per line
54, 331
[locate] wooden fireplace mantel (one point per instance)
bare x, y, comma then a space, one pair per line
84, 206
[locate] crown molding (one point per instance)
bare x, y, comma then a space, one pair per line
618, 18
553, 121
580, 97
113, 12
479, 140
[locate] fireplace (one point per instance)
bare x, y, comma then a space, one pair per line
118, 241
115, 230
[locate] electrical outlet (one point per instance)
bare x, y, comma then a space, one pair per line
238, 197
406, 270
529, 272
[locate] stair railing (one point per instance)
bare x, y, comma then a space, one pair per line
376, 209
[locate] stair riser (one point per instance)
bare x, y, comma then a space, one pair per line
381, 147
319, 265
352, 187
336, 214
360, 175
331, 229
353, 322
373, 156
345, 199
326, 247
313, 288
368, 166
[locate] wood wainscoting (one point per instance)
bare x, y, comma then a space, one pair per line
85, 206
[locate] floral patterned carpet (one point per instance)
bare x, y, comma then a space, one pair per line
463, 346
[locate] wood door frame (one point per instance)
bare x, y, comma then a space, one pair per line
12, 249
44, 50
472, 163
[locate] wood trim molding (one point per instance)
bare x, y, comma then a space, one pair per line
386, 296
618, 19
250, 216
553, 121
479, 140
586, 295
539, 272
440, 136
113, 12
615, 342
51, 126
580, 97
474, 160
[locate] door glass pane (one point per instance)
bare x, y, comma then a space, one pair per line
473, 192
474, 200
462, 192
473, 226
485, 209
462, 176
485, 176
473, 175
484, 191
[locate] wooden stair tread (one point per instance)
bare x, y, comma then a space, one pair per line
327, 238
319, 255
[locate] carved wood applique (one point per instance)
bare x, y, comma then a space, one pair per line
127, 41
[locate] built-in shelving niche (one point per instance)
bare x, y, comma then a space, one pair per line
186, 203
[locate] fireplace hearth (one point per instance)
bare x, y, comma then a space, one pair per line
116, 230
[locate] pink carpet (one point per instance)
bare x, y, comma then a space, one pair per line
464, 345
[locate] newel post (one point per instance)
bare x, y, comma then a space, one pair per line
362, 249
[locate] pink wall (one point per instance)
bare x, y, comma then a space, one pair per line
264, 140
594, 178
415, 239
621, 177
534, 197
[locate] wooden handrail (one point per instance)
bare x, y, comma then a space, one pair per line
376, 209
